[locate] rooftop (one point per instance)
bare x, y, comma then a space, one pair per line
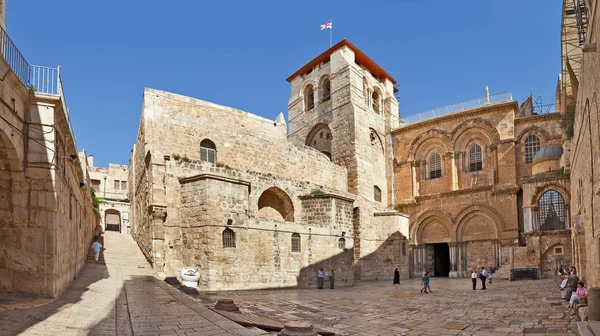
359, 56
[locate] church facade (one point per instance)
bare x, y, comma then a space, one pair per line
344, 184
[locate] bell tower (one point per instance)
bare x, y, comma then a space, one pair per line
342, 104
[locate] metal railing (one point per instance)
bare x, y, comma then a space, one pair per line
44, 79
14, 58
453, 108
544, 109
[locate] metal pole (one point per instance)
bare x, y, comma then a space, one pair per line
331, 33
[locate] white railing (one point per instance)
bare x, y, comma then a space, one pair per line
453, 108
47, 80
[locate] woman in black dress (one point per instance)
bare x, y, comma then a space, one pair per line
396, 276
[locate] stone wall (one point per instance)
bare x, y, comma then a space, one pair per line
543, 251
585, 160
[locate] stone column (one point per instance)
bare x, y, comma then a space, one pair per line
464, 259
453, 260
413, 175
454, 165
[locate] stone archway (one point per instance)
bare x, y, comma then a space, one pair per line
320, 138
275, 204
112, 220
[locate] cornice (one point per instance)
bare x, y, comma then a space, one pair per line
307, 197
535, 118
206, 176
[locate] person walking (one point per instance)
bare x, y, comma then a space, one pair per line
396, 276
483, 277
97, 247
320, 278
474, 278
97, 231
331, 279
425, 282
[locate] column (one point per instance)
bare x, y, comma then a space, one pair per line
454, 166
415, 259
464, 259
453, 260
413, 174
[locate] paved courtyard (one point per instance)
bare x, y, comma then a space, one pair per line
116, 297
380, 308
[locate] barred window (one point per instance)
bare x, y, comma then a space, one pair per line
296, 247
117, 184
228, 238
552, 212
342, 243
123, 185
435, 166
208, 151
377, 194
475, 161
309, 98
532, 146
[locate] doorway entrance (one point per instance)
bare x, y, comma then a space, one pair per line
112, 220
441, 264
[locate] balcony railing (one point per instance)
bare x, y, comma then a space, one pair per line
453, 108
14, 58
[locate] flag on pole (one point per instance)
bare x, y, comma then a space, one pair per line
327, 25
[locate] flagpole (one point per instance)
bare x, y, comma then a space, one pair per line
331, 34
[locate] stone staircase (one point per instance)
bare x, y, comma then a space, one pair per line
91, 254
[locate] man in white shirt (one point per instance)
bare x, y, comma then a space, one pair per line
320, 278
97, 247
474, 278
483, 277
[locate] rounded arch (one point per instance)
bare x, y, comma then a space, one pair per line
376, 99
552, 212
550, 186
320, 138
112, 220
472, 129
536, 130
423, 142
550, 258
432, 226
275, 204
375, 139
479, 221
309, 97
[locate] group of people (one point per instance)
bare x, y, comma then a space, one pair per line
321, 278
575, 291
96, 246
484, 276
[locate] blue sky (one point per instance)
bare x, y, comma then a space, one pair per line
239, 53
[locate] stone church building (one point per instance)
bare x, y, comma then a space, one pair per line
345, 184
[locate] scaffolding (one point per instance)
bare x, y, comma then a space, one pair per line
573, 34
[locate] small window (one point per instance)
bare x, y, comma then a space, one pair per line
325, 89
309, 98
96, 185
342, 243
123, 185
475, 159
558, 250
117, 184
377, 194
208, 151
376, 102
404, 249
435, 166
532, 146
228, 238
296, 242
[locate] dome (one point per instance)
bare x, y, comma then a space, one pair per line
548, 152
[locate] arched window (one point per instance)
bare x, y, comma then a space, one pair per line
376, 101
296, 242
325, 89
475, 161
435, 166
532, 146
309, 98
342, 243
208, 151
552, 212
377, 194
403, 248
228, 238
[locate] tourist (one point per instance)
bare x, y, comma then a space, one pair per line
396, 276
97, 247
483, 277
320, 278
561, 268
331, 277
490, 276
576, 298
571, 287
425, 283
97, 231
474, 278
574, 271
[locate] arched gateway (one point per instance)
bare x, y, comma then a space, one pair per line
447, 246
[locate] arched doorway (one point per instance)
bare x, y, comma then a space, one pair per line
112, 220
275, 204
320, 138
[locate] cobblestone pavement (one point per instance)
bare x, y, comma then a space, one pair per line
118, 297
380, 308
